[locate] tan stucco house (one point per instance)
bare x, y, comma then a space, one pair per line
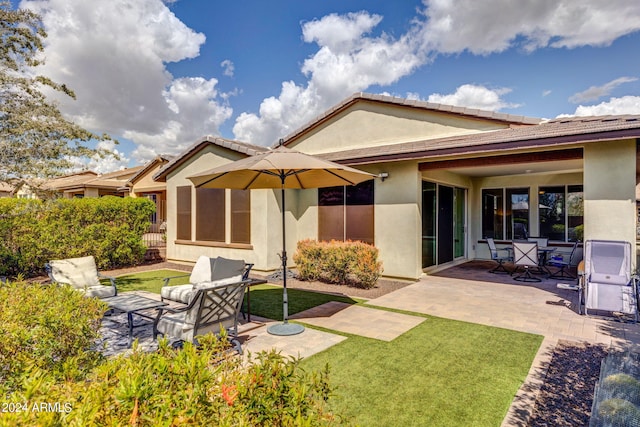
142, 184
448, 177
91, 184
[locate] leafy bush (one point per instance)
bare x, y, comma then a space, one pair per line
203, 386
345, 263
109, 228
46, 327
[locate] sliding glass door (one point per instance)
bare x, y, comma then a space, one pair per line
443, 223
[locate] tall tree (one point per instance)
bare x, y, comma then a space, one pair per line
36, 141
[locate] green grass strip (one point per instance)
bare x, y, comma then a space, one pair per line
150, 281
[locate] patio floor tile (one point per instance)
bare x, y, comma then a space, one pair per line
357, 320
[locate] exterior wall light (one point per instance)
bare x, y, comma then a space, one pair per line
383, 175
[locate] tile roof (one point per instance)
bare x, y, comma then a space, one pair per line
148, 166
561, 131
361, 96
240, 147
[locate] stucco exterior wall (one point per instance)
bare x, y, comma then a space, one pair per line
146, 184
609, 180
368, 124
398, 226
396, 218
266, 237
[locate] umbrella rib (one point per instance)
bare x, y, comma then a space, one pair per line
252, 180
211, 180
341, 177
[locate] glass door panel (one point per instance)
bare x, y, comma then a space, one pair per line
459, 222
429, 216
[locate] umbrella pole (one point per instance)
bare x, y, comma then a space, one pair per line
284, 328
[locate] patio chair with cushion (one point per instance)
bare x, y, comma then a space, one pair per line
500, 256
81, 273
608, 282
525, 254
206, 271
210, 309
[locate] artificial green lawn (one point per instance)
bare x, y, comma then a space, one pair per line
150, 281
266, 300
441, 373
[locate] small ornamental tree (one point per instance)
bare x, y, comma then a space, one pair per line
36, 141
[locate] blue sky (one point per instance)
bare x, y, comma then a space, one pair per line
158, 75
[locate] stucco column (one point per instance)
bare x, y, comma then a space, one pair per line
609, 191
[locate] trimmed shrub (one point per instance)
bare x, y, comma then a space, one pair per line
109, 228
46, 327
344, 263
203, 386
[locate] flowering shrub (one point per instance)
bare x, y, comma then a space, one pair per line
192, 386
345, 263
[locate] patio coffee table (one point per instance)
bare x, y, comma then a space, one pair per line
133, 304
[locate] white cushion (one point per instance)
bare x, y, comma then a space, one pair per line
202, 270
216, 283
225, 268
100, 291
178, 293
80, 273
183, 293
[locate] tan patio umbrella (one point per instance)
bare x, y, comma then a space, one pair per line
280, 168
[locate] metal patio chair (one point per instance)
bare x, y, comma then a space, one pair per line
210, 309
500, 256
608, 282
564, 262
525, 254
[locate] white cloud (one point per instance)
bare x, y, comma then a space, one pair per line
474, 96
228, 67
615, 106
596, 92
349, 60
108, 164
113, 55
483, 27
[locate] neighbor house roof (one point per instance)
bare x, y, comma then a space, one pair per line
162, 158
474, 113
89, 179
551, 133
237, 146
70, 180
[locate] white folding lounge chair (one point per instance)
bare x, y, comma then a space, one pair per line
608, 283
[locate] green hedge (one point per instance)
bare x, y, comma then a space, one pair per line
344, 263
33, 232
46, 327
